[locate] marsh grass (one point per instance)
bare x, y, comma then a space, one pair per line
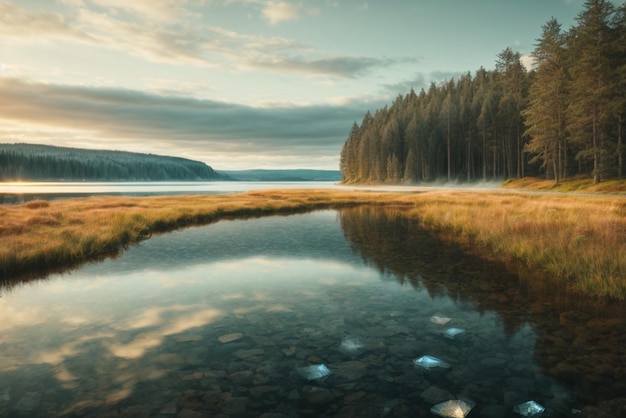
579, 241
577, 184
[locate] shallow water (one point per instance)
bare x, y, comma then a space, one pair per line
222, 320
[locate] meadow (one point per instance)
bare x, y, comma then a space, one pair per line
577, 241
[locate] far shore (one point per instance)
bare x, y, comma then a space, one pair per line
577, 240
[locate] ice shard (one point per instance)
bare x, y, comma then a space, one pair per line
529, 409
452, 333
452, 409
315, 372
352, 347
439, 320
429, 362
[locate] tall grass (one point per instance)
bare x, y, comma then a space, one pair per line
580, 241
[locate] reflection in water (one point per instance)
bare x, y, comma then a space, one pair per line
579, 341
219, 319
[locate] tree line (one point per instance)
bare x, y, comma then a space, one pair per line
564, 117
42, 162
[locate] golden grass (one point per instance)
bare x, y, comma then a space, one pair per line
580, 240
578, 185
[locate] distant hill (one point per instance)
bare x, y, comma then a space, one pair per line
284, 175
47, 163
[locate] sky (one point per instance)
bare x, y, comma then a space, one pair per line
239, 84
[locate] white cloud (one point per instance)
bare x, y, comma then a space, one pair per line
16, 22
528, 61
192, 43
279, 11
162, 11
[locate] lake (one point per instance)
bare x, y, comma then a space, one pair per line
310, 315
20, 192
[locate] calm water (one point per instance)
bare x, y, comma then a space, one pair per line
221, 320
23, 192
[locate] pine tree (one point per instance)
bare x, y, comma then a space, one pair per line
545, 114
591, 85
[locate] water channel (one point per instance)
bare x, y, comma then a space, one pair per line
225, 319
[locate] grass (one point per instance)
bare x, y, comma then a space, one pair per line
577, 184
579, 241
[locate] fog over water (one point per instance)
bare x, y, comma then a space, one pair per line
16, 192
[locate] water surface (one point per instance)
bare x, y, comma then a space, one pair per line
221, 320
19, 192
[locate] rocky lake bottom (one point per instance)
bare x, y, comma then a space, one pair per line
326, 314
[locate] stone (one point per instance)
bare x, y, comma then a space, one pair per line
616, 407
290, 351
28, 403
169, 409
452, 409
494, 411
594, 412
351, 370
228, 338
187, 338
317, 395
361, 411
235, 405
435, 395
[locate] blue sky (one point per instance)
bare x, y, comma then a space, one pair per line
238, 83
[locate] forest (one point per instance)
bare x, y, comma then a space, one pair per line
562, 118
23, 162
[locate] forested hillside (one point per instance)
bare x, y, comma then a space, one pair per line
284, 175
42, 162
564, 117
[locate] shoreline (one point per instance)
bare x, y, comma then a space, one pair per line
580, 241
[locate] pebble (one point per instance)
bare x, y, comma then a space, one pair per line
229, 338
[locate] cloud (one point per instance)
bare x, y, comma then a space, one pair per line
150, 30
162, 11
421, 81
161, 44
16, 22
279, 11
528, 61
341, 67
190, 126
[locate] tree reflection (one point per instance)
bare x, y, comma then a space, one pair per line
579, 340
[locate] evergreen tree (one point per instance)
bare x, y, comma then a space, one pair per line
545, 114
592, 82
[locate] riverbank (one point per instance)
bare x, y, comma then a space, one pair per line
580, 241
571, 185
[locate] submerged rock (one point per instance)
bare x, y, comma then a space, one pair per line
452, 409
435, 395
230, 337
28, 403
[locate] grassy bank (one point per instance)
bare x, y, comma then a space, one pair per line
578, 185
581, 240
